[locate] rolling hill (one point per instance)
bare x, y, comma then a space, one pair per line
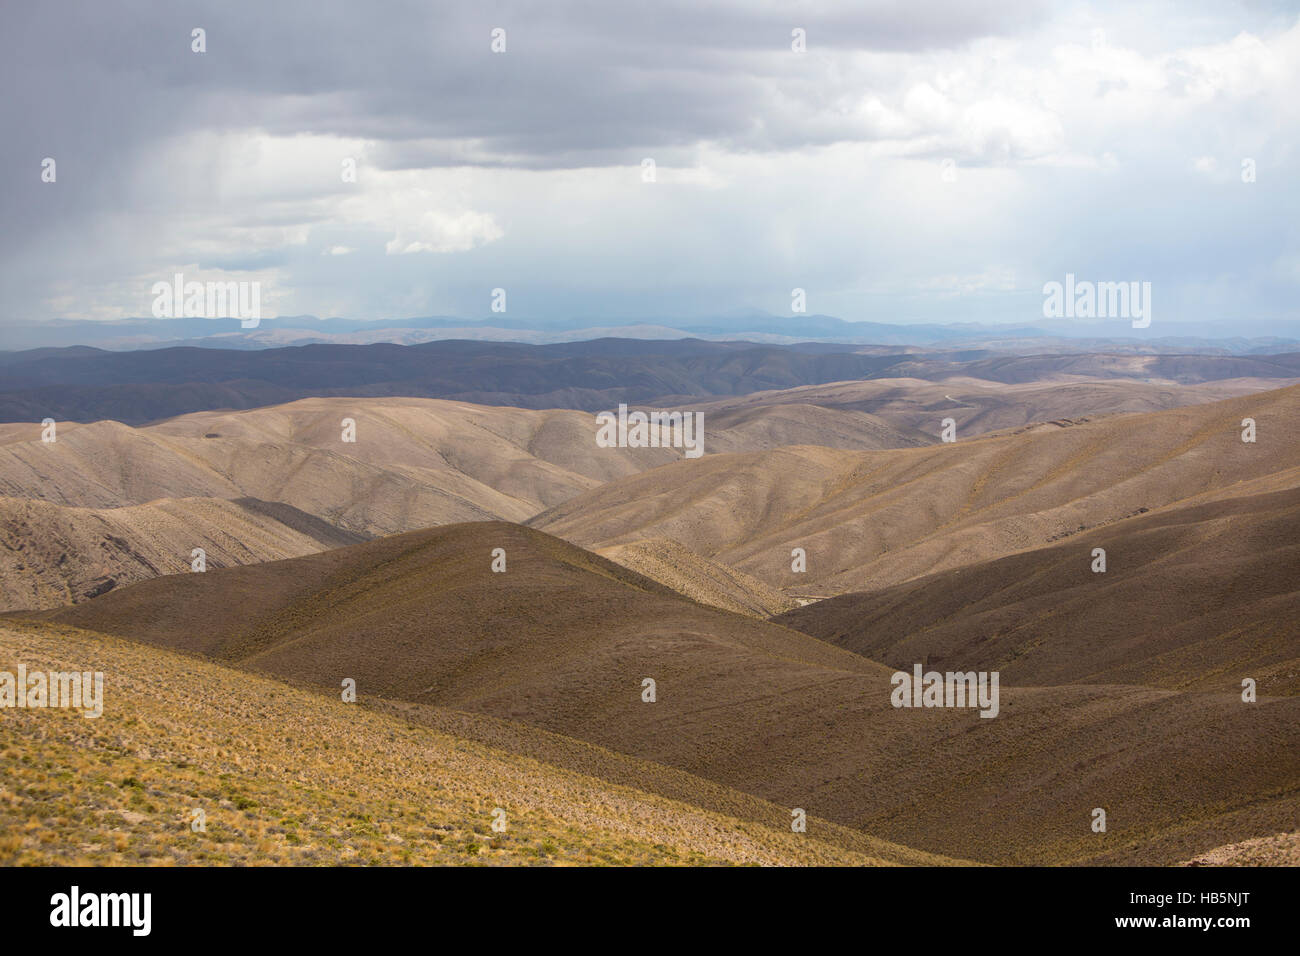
52, 555
868, 520
415, 463
1199, 596
678, 567
285, 776
563, 640
917, 407
422, 462
409, 467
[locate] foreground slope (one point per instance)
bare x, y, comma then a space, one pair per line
1200, 596
564, 640
288, 776
869, 520
1280, 849
421, 616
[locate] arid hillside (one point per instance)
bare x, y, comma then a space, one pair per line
1201, 596
919, 407
287, 776
413, 463
1280, 849
868, 520
52, 555
563, 640
106, 504
419, 463
699, 579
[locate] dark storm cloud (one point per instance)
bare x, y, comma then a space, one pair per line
576, 77
95, 85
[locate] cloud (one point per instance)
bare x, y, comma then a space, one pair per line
914, 163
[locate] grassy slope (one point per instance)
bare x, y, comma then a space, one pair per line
288, 776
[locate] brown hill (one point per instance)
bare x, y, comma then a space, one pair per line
563, 640
678, 567
1199, 596
758, 427
290, 777
916, 407
415, 463
52, 555
410, 467
419, 462
1164, 367
868, 520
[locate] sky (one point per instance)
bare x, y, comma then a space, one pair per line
913, 162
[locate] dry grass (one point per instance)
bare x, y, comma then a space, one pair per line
1280, 849
287, 776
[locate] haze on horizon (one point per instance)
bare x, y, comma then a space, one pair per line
908, 167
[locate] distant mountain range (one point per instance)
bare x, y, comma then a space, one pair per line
87, 384
748, 325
